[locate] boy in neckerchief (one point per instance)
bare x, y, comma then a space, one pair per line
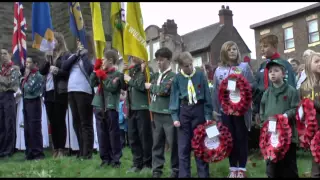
164, 130
32, 88
106, 104
9, 84
310, 88
268, 47
281, 98
190, 105
139, 123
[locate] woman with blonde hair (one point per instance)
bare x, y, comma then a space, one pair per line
238, 125
303, 75
55, 93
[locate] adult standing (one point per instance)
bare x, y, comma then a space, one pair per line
9, 84
56, 94
80, 95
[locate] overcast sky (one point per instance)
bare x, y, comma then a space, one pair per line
190, 16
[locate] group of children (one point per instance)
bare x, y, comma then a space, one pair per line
177, 104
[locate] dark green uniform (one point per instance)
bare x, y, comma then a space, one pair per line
164, 129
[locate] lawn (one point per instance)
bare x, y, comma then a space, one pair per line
16, 166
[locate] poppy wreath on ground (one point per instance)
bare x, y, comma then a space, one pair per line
238, 108
271, 150
308, 125
315, 147
217, 152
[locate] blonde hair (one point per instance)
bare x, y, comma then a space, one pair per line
61, 46
224, 58
182, 56
311, 80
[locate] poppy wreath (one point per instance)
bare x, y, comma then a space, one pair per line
211, 155
315, 147
229, 107
308, 126
284, 137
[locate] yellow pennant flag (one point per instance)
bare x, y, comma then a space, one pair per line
97, 28
134, 35
117, 24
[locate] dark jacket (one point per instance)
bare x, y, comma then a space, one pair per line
73, 59
60, 80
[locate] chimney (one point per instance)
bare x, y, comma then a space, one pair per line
170, 27
225, 15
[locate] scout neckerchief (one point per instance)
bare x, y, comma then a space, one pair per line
32, 71
192, 96
266, 70
162, 75
6, 68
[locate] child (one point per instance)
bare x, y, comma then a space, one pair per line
164, 130
106, 104
9, 84
268, 46
237, 125
190, 105
123, 119
310, 88
32, 88
281, 98
139, 123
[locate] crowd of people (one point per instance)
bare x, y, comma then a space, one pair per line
115, 105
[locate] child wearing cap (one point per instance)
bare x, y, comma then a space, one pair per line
281, 98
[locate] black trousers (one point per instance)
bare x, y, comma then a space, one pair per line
190, 117
239, 132
56, 111
82, 114
285, 168
140, 138
315, 170
164, 131
108, 132
7, 123
33, 128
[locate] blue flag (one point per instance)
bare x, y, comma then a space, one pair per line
76, 23
42, 30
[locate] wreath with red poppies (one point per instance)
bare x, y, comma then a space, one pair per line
284, 133
241, 107
207, 154
315, 147
308, 126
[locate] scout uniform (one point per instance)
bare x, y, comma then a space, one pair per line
191, 104
9, 84
139, 123
313, 94
164, 129
106, 104
237, 125
32, 89
282, 100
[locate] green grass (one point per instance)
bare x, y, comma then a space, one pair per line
16, 166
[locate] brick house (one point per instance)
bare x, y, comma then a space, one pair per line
204, 44
297, 31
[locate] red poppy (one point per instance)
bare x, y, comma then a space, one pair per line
285, 98
315, 147
199, 86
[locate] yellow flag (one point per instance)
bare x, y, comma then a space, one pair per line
97, 28
117, 24
134, 35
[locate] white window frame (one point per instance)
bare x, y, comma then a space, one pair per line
289, 39
313, 32
155, 48
197, 61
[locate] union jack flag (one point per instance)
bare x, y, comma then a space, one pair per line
19, 46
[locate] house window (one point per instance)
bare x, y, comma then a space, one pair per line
288, 38
148, 50
313, 31
156, 46
197, 62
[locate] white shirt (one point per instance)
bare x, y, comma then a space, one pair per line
49, 82
302, 77
77, 80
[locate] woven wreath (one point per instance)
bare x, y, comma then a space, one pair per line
315, 147
241, 107
213, 154
307, 127
284, 133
